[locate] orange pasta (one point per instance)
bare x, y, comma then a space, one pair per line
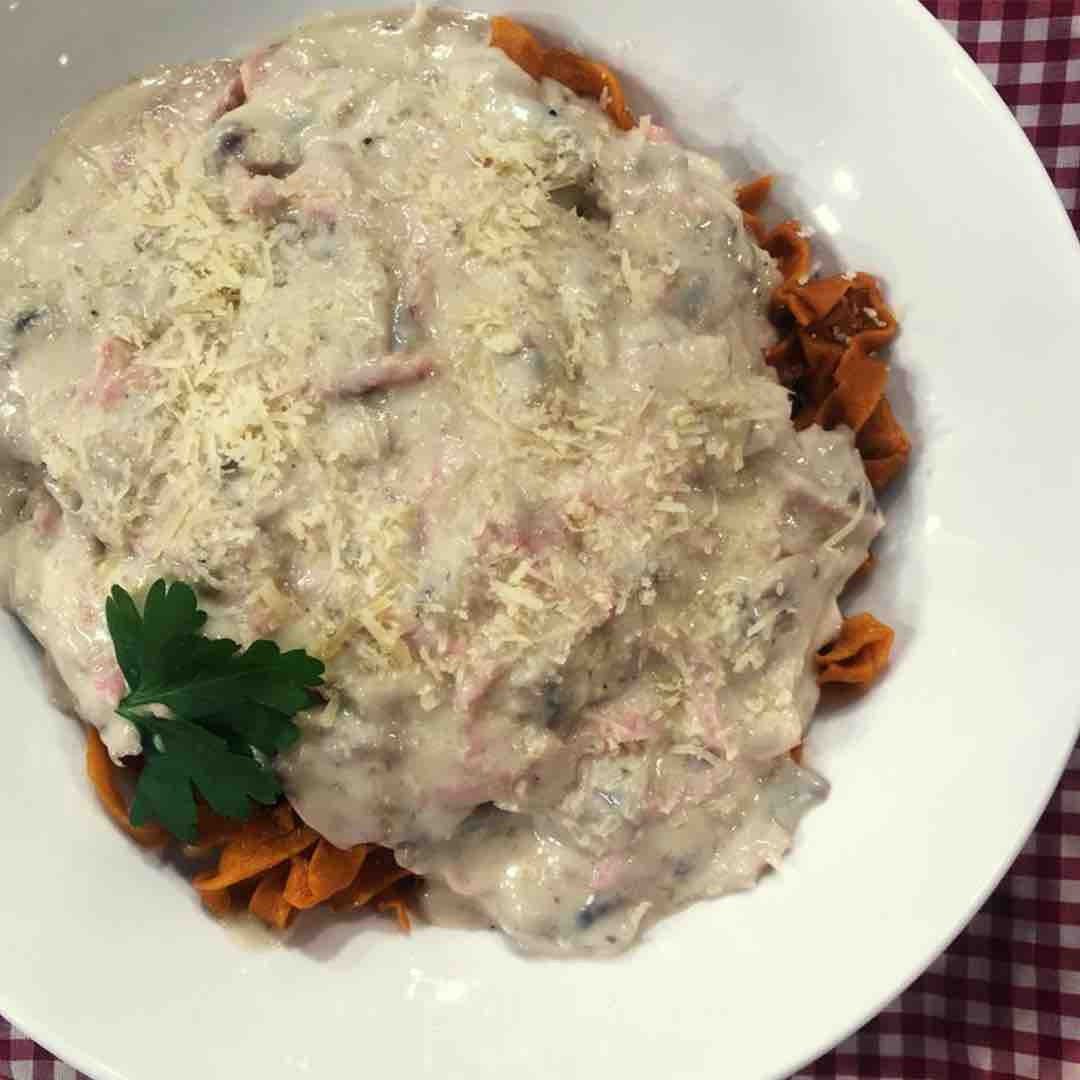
99, 768
278, 862
254, 849
378, 873
859, 654
268, 900
831, 330
292, 869
217, 901
587, 77
827, 356
328, 871
883, 444
395, 902
519, 44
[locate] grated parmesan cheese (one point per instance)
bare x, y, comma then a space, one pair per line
424, 366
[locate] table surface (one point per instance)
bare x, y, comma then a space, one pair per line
1004, 999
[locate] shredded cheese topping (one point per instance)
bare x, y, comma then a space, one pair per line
409, 359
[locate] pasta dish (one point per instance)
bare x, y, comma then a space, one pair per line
429, 366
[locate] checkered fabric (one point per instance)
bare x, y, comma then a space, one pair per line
1004, 1000
1030, 50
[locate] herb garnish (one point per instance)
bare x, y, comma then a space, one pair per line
211, 716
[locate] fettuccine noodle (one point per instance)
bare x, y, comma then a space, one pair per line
831, 331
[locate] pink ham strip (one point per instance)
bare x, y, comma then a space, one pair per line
115, 373
396, 369
234, 96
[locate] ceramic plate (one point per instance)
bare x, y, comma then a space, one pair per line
892, 145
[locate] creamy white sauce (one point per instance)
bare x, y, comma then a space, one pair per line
405, 358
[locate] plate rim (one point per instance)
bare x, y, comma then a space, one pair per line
37, 1027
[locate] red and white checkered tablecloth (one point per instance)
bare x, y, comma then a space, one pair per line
1030, 50
1004, 999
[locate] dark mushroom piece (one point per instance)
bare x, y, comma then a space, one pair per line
595, 909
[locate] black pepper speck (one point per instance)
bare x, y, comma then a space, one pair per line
593, 910
24, 320
231, 141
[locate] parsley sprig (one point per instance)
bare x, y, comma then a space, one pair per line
211, 715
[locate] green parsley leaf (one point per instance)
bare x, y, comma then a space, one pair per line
227, 711
256, 725
197, 676
170, 614
179, 756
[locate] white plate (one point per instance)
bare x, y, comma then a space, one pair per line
897, 150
